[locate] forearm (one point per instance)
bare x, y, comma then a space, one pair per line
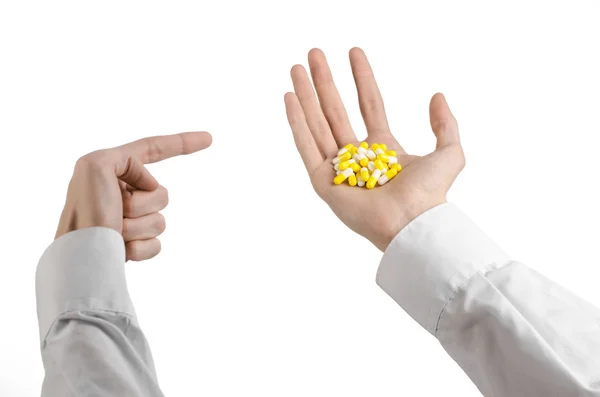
90, 339
512, 331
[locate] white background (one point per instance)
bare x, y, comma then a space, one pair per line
259, 289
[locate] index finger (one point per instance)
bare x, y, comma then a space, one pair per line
157, 148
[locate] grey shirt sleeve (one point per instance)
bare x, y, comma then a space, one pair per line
91, 342
512, 331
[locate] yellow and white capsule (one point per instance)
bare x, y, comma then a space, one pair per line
371, 155
378, 164
373, 179
392, 159
342, 176
371, 166
379, 151
390, 153
362, 150
349, 146
364, 161
343, 157
352, 181
364, 174
342, 151
383, 157
396, 166
346, 164
355, 167
387, 176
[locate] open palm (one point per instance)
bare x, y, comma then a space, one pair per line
320, 126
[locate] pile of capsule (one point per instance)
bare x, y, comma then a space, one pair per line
365, 166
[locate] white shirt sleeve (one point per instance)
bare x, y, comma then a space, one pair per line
90, 339
513, 331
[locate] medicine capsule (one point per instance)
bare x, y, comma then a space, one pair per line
387, 176
348, 146
346, 164
378, 164
371, 154
384, 157
343, 176
342, 151
390, 153
375, 146
353, 149
364, 145
373, 179
397, 167
364, 161
355, 167
352, 180
336, 167
360, 182
362, 150
343, 157
379, 151
383, 147
392, 160
371, 166
364, 174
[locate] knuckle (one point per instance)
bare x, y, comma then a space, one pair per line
160, 224
164, 196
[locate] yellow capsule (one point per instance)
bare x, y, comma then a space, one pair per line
364, 145
391, 153
353, 149
375, 146
378, 164
349, 146
352, 180
355, 167
396, 167
383, 146
391, 173
345, 156
384, 157
364, 161
364, 174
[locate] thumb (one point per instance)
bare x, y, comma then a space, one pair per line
135, 174
442, 121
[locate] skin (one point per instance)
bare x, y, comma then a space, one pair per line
320, 126
112, 188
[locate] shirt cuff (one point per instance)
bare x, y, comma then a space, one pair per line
431, 258
81, 271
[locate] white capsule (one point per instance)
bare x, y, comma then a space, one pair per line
383, 180
336, 167
360, 182
379, 151
356, 158
371, 155
342, 151
362, 150
371, 166
376, 174
392, 160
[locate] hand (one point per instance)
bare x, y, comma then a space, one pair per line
321, 126
112, 188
